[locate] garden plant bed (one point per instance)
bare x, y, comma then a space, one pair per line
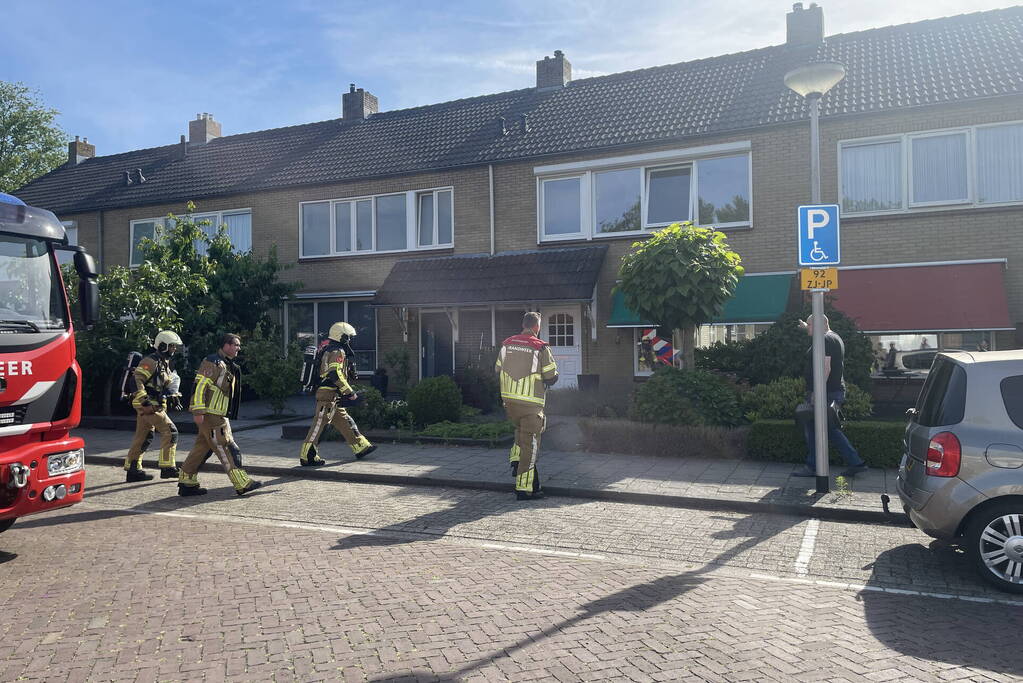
298, 432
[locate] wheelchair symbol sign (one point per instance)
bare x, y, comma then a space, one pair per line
819, 243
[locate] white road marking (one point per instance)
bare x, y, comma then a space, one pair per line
806, 550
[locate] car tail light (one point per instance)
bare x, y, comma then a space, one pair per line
943, 455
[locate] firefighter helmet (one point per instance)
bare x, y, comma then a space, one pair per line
338, 331
166, 339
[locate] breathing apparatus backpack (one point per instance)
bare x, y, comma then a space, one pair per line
311, 366
128, 375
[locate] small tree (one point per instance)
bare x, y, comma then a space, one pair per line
271, 373
31, 143
681, 277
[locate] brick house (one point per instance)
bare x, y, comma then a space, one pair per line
437, 226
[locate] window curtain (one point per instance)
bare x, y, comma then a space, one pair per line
239, 231
939, 168
872, 177
1000, 164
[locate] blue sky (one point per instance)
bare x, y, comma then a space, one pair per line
130, 75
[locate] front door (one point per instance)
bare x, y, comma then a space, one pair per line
437, 348
562, 329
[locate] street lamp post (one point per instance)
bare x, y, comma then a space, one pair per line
812, 82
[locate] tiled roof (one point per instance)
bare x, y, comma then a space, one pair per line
540, 275
929, 62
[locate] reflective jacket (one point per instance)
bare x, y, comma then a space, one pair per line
526, 368
335, 369
152, 376
218, 387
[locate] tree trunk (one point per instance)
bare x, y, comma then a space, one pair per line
686, 347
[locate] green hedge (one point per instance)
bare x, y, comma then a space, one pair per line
477, 430
879, 443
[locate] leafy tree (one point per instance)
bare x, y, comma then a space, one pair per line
31, 143
272, 373
199, 295
680, 277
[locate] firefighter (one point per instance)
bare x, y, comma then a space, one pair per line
156, 389
214, 404
336, 370
526, 369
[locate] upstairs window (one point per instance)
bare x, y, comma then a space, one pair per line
975, 166
633, 199
237, 224
383, 223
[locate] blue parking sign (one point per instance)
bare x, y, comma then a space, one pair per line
819, 243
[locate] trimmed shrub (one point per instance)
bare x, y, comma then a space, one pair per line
398, 416
586, 403
639, 438
686, 397
778, 400
371, 413
435, 399
478, 430
879, 443
479, 387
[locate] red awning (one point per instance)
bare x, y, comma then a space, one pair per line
967, 296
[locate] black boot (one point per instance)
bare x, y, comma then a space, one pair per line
136, 473
253, 485
169, 473
186, 491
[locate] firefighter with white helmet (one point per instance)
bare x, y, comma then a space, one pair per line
156, 389
335, 369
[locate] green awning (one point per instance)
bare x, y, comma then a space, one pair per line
757, 299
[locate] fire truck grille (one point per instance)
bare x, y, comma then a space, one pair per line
12, 416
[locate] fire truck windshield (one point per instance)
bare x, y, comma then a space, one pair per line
31, 295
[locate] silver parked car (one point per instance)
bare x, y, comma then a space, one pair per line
961, 476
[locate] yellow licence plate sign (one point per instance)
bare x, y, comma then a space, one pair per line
818, 278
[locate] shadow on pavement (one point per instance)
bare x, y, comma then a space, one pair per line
640, 597
6, 556
978, 635
73, 518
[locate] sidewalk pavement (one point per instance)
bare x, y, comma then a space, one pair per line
727, 485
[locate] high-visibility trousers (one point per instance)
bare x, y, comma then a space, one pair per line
148, 421
215, 435
529, 422
329, 412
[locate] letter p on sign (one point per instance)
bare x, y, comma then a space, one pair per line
818, 235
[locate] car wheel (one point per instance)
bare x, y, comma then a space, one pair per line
994, 541
5, 524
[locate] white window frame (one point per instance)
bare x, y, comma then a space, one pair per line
411, 224
363, 372
906, 159
158, 223
217, 221
585, 208
645, 163
971, 156
435, 243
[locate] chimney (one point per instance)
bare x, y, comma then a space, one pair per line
182, 149
804, 26
203, 129
358, 104
79, 150
553, 72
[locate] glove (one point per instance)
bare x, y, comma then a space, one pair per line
514, 467
174, 402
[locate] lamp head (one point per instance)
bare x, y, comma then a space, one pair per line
814, 79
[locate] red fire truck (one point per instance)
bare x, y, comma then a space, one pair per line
42, 466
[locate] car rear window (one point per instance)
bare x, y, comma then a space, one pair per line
943, 399
1012, 397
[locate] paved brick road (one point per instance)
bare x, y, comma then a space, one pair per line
464, 585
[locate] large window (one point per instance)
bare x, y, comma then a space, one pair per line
310, 321
237, 225
382, 223
972, 166
634, 198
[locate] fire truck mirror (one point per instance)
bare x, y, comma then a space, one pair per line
85, 265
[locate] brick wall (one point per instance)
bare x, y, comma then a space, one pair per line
780, 183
